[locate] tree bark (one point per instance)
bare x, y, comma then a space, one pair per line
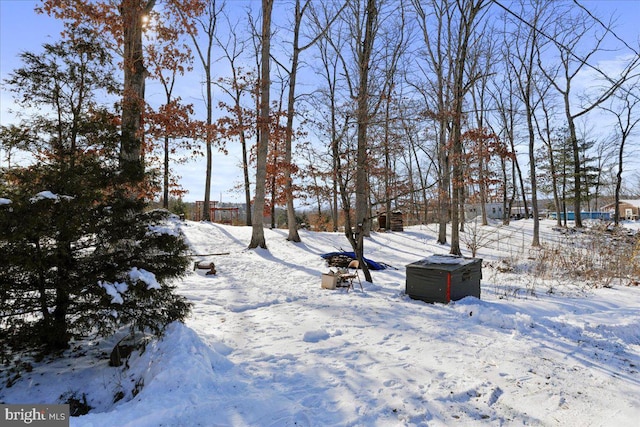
131, 162
469, 12
257, 235
293, 236
362, 225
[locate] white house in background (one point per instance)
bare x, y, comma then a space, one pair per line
494, 210
518, 212
629, 209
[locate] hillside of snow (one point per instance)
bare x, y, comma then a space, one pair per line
266, 346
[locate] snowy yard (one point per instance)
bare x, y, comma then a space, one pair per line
266, 346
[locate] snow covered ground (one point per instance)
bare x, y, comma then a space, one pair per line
266, 346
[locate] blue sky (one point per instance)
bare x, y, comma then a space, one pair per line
21, 29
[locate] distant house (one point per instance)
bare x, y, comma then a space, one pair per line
518, 212
629, 209
494, 210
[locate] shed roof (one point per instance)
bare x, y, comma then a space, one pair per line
632, 202
445, 262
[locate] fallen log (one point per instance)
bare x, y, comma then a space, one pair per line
215, 254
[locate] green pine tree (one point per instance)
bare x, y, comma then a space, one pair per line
81, 257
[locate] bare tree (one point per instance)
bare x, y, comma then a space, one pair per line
505, 96
482, 64
206, 22
293, 236
257, 235
237, 87
299, 12
604, 159
448, 29
437, 33
336, 123
394, 46
469, 13
420, 156
364, 51
420, 161
357, 77
526, 50
572, 32
544, 127
625, 107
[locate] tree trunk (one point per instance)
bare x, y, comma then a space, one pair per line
206, 213
505, 214
554, 183
468, 12
616, 212
529, 106
483, 185
444, 183
362, 113
335, 158
57, 336
534, 187
273, 198
257, 235
547, 138
387, 161
293, 236
131, 163
165, 173
577, 193
245, 168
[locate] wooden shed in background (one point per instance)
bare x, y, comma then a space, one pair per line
397, 221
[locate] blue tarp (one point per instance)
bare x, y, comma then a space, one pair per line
371, 264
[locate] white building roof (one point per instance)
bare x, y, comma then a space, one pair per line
632, 202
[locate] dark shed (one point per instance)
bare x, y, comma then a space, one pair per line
444, 278
396, 221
